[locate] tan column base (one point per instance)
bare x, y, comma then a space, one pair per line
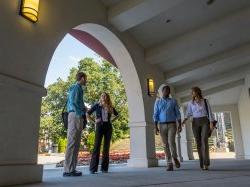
20, 174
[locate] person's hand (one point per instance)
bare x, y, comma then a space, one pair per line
84, 121
115, 118
98, 120
179, 128
157, 131
211, 126
183, 123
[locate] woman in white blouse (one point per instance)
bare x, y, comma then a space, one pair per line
199, 108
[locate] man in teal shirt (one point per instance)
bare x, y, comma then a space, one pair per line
76, 110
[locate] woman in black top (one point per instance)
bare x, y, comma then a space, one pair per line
103, 114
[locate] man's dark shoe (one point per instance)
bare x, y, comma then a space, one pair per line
205, 168
201, 164
93, 172
177, 163
170, 167
103, 171
72, 174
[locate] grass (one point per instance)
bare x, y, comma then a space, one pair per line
123, 145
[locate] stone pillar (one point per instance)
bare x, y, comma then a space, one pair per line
185, 140
237, 134
185, 151
236, 126
179, 146
19, 119
142, 145
244, 108
189, 140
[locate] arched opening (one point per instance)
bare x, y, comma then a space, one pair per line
107, 45
122, 59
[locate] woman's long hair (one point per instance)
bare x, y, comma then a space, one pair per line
198, 93
106, 103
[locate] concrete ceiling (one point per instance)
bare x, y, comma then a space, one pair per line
109, 3
184, 17
194, 42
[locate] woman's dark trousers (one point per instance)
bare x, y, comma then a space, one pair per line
201, 129
102, 130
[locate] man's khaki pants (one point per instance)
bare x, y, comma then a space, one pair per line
168, 134
75, 126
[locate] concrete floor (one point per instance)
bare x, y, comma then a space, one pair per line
226, 173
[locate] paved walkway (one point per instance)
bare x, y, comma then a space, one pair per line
223, 173
50, 159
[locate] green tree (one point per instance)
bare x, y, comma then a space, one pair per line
52, 106
102, 76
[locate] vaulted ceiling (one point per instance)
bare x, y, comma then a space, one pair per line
202, 43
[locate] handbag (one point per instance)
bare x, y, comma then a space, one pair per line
65, 115
214, 122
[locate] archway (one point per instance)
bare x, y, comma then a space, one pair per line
124, 62
108, 45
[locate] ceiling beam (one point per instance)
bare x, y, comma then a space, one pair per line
214, 81
241, 55
217, 89
169, 51
129, 13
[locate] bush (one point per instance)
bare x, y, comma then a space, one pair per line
91, 141
62, 143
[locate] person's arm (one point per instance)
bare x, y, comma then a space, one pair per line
116, 114
156, 128
156, 117
210, 114
84, 111
178, 116
188, 113
90, 112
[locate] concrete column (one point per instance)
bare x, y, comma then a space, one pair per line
186, 152
237, 134
186, 142
179, 146
236, 126
142, 145
244, 109
189, 138
19, 119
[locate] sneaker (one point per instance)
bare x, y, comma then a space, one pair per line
177, 163
72, 174
170, 167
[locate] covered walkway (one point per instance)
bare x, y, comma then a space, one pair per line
183, 43
225, 172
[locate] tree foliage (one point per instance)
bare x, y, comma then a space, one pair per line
102, 77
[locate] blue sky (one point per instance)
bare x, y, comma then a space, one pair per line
67, 55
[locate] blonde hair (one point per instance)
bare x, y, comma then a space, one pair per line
106, 102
